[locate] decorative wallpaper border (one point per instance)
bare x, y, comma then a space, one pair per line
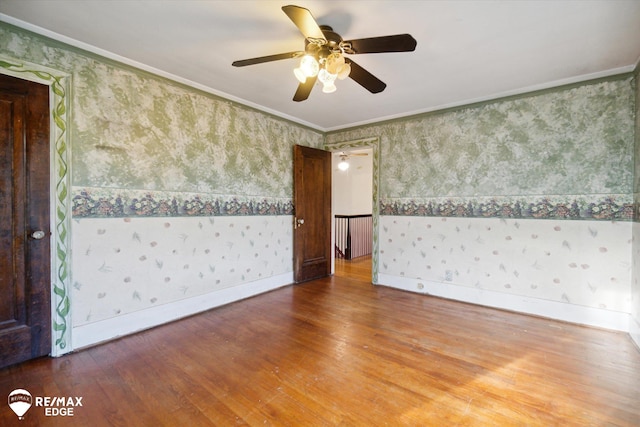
59, 84
119, 203
618, 207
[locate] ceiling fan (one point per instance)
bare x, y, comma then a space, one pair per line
323, 57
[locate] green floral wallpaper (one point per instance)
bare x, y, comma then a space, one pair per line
573, 141
133, 130
136, 133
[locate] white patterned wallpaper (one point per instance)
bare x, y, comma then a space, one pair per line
124, 265
587, 263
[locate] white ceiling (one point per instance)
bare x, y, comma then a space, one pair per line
467, 51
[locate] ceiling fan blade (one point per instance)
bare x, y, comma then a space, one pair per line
396, 43
304, 89
365, 78
269, 58
306, 23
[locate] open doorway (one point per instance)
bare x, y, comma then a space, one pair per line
352, 201
372, 143
354, 209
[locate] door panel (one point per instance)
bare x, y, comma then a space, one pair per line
25, 276
312, 222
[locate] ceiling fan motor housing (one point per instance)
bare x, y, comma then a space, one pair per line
323, 48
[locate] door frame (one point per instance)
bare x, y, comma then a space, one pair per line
372, 143
59, 84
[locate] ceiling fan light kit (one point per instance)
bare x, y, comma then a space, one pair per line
323, 58
309, 67
326, 63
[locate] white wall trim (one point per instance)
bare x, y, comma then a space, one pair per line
105, 330
634, 331
582, 315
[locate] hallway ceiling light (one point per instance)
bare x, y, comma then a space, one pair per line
343, 165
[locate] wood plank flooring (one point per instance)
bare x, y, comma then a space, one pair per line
339, 351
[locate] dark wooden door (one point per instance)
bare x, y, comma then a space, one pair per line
25, 276
312, 222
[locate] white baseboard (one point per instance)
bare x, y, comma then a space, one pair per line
583, 315
108, 329
105, 330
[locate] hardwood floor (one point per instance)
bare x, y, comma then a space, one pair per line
357, 268
339, 351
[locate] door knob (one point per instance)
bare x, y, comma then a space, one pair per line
38, 234
299, 222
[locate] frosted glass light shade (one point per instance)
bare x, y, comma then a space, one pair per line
309, 66
329, 88
326, 77
335, 61
344, 71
